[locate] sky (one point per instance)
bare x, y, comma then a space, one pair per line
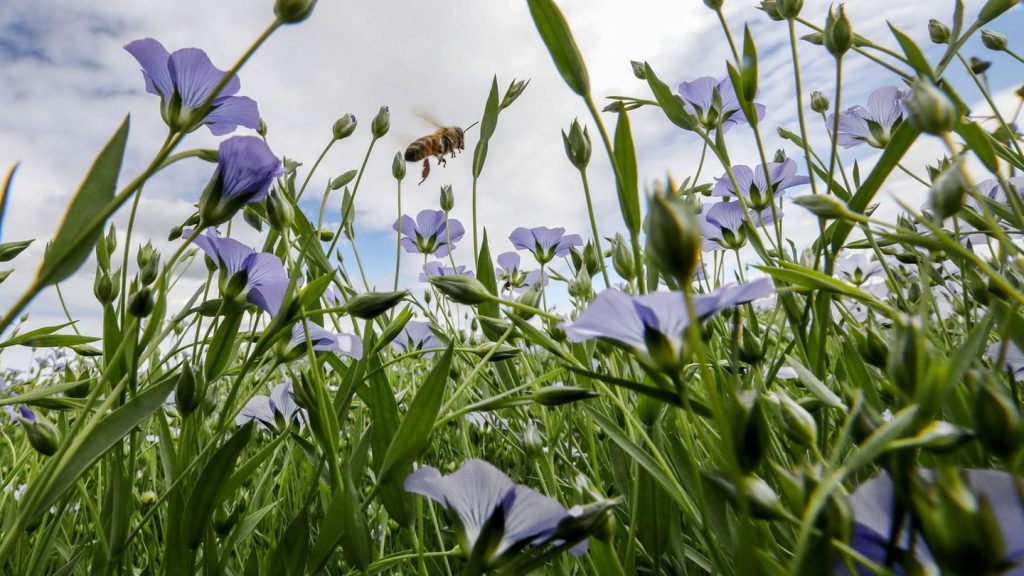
66, 83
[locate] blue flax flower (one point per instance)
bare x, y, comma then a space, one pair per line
432, 269
273, 412
545, 243
714, 103
258, 277
245, 169
323, 340
653, 326
430, 233
417, 336
184, 80
873, 125
475, 491
512, 277
872, 505
753, 186
723, 225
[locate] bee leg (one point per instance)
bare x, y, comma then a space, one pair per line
441, 160
426, 170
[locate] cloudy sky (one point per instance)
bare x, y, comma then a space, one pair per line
66, 82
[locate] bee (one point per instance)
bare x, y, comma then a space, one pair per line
445, 141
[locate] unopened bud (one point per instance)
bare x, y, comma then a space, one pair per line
148, 275
515, 89
188, 394
372, 304
789, 9
622, 257
398, 167
462, 289
993, 9
293, 11
533, 443
558, 395
103, 287
41, 434
930, 110
381, 123
340, 182
771, 8
252, 218
996, 418
675, 238
948, 192
344, 126
823, 206
908, 356
938, 32
639, 70
280, 213
447, 198
819, 102
140, 304
800, 425
577, 145
714, 4
838, 35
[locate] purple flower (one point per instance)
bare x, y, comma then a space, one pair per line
432, 269
723, 225
653, 325
1014, 360
512, 277
417, 336
431, 233
184, 80
324, 340
714, 103
545, 243
753, 186
873, 125
259, 277
245, 169
274, 411
992, 190
872, 505
475, 491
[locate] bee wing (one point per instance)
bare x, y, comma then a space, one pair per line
426, 116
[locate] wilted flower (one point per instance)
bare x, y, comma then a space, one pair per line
417, 336
723, 225
245, 169
714, 102
1014, 361
654, 325
184, 80
545, 243
857, 268
432, 269
872, 505
873, 125
259, 277
753, 186
274, 411
477, 490
431, 233
512, 277
323, 340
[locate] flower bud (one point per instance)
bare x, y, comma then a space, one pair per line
675, 237
639, 70
111, 239
930, 110
462, 289
325, 234
532, 442
799, 424
819, 102
372, 304
103, 287
293, 11
344, 126
340, 182
938, 32
979, 66
715, 5
398, 167
188, 393
531, 297
838, 35
789, 9
622, 257
591, 258
948, 192
146, 254
996, 418
150, 272
280, 213
908, 357
993, 9
771, 8
577, 145
823, 206
515, 89
381, 123
581, 287
750, 430
41, 434
447, 198
558, 395
252, 218
140, 304
763, 501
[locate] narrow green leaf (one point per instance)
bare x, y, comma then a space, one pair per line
222, 347
289, 556
627, 186
10, 250
86, 215
913, 52
5, 195
490, 119
557, 36
414, 433
479, 157
670, 103
102, 438
748, 68
485, 274
209, 490
815, 386
979, 141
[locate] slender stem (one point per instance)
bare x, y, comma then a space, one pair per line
398, 236
352, 204
593, 228
313, 169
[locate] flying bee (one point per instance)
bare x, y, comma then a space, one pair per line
445, 141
